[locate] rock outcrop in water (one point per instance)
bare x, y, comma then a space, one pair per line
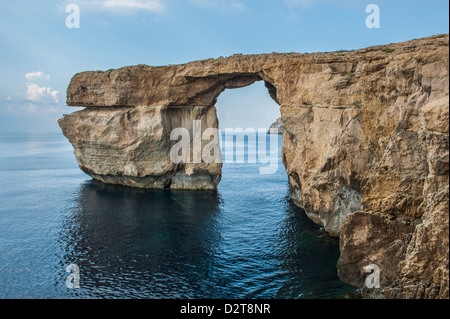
365, 145
131, 145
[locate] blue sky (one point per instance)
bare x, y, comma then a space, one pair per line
39, 54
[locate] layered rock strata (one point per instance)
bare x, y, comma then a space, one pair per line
365, 145
131, 146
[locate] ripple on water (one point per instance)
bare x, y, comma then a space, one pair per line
247, 240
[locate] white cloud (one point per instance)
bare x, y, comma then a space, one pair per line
296, 6
33, 109
120, 6
37, 75
38, 94
238, 5
29, 108
204, 3
304, 3
312, 3
230, 4
152, 5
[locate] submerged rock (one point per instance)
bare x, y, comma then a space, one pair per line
365, 145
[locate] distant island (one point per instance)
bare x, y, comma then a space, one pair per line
277, 126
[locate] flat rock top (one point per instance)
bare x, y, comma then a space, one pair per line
201, 82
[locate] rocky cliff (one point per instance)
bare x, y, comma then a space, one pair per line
365, 145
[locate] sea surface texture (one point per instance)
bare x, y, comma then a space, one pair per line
247, 240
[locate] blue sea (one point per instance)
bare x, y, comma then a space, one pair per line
247, 240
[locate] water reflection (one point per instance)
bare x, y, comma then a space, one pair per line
138, 243
132, 243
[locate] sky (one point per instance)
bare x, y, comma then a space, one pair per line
39, 54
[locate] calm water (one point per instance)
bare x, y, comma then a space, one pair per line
247, 240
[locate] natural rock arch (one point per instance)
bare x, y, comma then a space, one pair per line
365, 144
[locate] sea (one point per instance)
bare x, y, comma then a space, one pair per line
64, 235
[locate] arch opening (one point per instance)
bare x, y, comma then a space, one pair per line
245, 116
241, 97
241, 80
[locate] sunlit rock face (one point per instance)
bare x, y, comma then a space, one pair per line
365, 145
131, 146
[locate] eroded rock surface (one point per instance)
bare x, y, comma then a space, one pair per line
131, 146
365, 145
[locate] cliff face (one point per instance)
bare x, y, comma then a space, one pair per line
365, 145
131, 145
